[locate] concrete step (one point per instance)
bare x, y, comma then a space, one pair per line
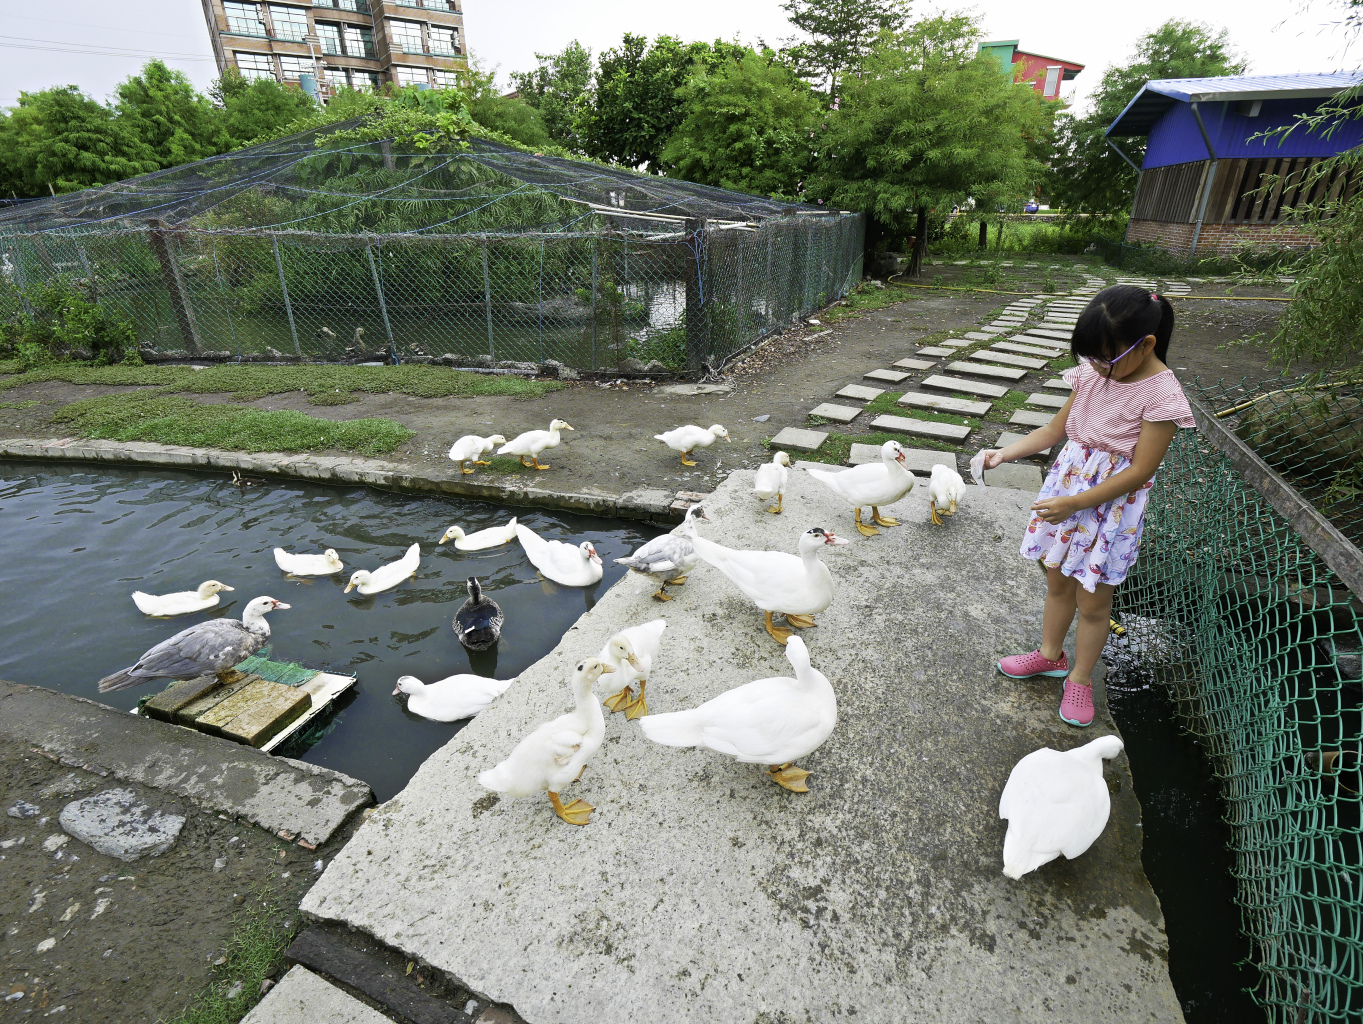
1023, 350
1036, 341
799, 439
955, 343
985, 370
935, 350
1047, 401
970, 387
991, 330
1046, 332
1008, 437
979, 336
922, 428
301, 997
889, 376
836, 413
1057, 383
990, 356
1027, 418
913, 364
859, 392
941, 403
1019, 476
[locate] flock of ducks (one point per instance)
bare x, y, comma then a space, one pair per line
1056, 803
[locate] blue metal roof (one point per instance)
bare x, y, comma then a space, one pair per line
1158, 96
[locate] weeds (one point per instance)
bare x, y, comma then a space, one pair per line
836, 450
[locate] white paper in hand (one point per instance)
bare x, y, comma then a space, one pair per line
977, 469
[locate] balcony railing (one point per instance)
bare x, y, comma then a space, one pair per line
440, 50
237, 27
409, 47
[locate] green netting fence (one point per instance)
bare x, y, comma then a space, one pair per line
1245, 604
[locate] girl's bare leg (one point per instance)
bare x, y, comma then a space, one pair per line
1060, 606
1095, 618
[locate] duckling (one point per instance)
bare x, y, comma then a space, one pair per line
531, 443
470, 447
684, 439
946, 490
386, 577
181, 603
631, 652
489, 538
478, 622
770, 481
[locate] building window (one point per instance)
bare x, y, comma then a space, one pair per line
409, 3
255, 65
406, 36
444, 41
289, 22
445, 79
410, 76
295, 66
243, 19
353, 5
359, 42
329, 36
364, 80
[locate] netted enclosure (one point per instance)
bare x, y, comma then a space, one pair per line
480, 255
1245, 604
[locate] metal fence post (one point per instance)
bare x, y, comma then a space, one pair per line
594, 301
487, 301
693, 248
160, 240
383, 306
283, 287
540, 316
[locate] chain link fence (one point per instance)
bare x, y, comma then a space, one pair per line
1245, 604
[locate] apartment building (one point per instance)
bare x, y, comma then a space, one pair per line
360, 43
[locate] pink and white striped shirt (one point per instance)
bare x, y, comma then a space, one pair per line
1107, 414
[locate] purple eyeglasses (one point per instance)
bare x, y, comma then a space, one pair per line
1110, 363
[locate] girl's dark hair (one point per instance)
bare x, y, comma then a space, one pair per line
1118, 317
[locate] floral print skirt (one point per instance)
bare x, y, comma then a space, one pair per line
1097, 545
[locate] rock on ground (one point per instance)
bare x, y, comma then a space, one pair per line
118, 824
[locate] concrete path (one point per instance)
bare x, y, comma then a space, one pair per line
702, 892
303, 998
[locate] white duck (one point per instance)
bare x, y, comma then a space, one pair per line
797, 586
1055, 803
672, 554
180, 603
573, 565
874, 484
631, 652
556, 753
686, 439
533, 442
488, 538
309, 565
451, 699
768, 721
386, 577
946, 489
770, 481
469, 447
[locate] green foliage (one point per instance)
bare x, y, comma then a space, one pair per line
512, 118
255, 108
65, 325
746, 125
842, 34
1086, 176
174, 419
928, 122
559, 89
1040, 237
162, 110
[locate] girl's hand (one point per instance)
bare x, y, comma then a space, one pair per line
1056, 510
993, 458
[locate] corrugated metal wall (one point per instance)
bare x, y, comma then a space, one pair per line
1175, 139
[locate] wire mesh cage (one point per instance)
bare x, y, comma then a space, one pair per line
480, 256
1258, 638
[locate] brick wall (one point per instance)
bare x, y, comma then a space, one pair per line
1216, 239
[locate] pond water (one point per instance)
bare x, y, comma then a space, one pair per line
75, 543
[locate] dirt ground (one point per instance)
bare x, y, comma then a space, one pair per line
132, 942
612, 447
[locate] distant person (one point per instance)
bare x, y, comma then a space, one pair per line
1086, 523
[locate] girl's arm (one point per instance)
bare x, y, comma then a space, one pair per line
1039, 440
1156, 436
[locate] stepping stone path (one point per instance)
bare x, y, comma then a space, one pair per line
1020, 341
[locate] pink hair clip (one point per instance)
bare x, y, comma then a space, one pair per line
1154, 297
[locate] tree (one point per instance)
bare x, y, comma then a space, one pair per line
559, 89
160, 108
929, 122
747, 125
842, 33
1086, 175
251, 109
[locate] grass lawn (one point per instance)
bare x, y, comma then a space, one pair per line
838, 447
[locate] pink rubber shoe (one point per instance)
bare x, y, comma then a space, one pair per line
1076, 707
1022, 666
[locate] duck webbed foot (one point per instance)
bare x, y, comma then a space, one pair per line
468, 470
535, 459
936, 516
780, 499
787, 776
620, 702
778, 634
481, 462
677, 582
686, 461
883, 520
801, 621
865, 529
637, 706
579, 812
297, 579
661, 595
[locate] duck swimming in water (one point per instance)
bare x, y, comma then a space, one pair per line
478, 622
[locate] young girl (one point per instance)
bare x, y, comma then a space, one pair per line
1086, 522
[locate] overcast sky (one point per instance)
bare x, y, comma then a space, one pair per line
96, 44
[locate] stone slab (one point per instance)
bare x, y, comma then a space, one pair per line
979, 336
988, 355
276, 793
878, 890
301, 997
837, 413
889, 376
1058, 384
1055, 348
922, 428
969, 387
955, 343
1008, 437
941, 403
1046, 332
913, 364
985, 370
1031, 419
272, 712
691, 390
934, 350
118, 824
798, 439
167, 704
1021, 476
1007, 325
860, 392
916, 460
1023, 350
1047, 401
991, 330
